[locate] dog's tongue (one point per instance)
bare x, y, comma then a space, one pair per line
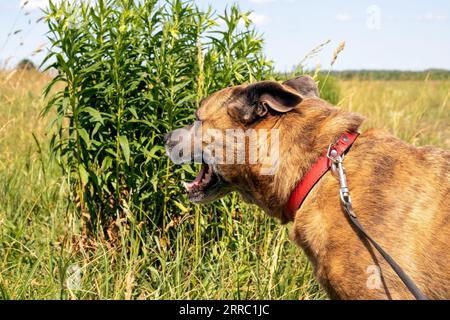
198, 179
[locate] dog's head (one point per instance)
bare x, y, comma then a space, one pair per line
249, 138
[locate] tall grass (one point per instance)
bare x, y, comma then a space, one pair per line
415, 111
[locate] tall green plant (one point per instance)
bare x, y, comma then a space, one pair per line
130, 72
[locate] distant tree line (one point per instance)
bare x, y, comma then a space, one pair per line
431, 74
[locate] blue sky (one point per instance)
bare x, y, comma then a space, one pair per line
379, 34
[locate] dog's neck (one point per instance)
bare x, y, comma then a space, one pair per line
309, 131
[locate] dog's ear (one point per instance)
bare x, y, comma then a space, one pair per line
261, 96
273, 95
305, 85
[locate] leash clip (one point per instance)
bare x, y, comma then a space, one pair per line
337, 168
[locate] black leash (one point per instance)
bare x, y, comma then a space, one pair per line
338, 169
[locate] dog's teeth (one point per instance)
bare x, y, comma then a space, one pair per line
188, 185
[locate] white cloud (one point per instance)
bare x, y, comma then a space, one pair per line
343, 17
432, 17
33, 4
259, 19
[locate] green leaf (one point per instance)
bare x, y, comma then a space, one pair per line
181, 206
133, 112
188, 168
84, 175
84, 135
154, 150
95, 114
107, 163
123, 140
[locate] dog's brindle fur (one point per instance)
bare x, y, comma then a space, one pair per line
400, 192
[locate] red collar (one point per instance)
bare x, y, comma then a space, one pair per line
318, 169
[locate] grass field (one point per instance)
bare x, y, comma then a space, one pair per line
43, 254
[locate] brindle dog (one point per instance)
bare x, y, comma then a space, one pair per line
400, 192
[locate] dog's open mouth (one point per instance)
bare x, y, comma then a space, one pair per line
204, 186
